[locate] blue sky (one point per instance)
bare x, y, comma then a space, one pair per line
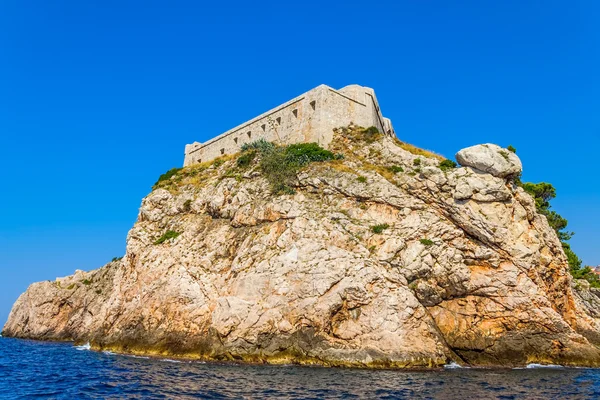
98, 98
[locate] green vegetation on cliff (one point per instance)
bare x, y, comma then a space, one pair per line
166, 236
542, 193
280, 164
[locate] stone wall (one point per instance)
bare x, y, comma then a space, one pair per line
310, 117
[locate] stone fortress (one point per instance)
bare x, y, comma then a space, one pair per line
310, 117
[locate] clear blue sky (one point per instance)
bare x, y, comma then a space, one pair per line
98, 98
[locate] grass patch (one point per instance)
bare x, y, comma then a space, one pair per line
426, 242
379, 228
361, 179
167, 176
194, 174
368, 135
395, 169
166, 236
447, 165
419, 152
417, 162
86, 282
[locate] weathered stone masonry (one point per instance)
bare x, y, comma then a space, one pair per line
310, 117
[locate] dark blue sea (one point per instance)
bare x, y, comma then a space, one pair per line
37, 370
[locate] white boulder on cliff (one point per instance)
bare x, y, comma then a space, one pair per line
490, 158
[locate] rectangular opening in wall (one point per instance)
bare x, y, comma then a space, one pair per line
264, 127
235, 140
249, 133
222, 151
278, 120
295, 112
313, 104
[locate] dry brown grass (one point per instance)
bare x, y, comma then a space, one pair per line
418, 151
339, 165
196, 174
381, 170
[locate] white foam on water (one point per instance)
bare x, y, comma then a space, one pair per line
110, 353
134, 356
84, 347
532, 366
454, 365
171, 361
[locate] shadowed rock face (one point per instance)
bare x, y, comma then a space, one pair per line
466, 271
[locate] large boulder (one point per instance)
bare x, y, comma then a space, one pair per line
492, 159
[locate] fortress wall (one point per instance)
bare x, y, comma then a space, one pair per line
310, 117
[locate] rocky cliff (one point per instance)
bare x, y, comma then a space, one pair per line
380, 258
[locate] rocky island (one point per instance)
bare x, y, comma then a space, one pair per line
350, 248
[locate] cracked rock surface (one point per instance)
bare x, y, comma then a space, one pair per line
465, 271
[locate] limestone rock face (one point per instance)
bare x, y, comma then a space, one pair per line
464, 271
490, 158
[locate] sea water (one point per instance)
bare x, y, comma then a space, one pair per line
40, 370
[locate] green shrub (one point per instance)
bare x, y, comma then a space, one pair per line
261, 145
166, 236
372, 130
426, 242
86, 282
218, 162
115, 259
379, 228
447, 165
187, 205
511, 149
167, 175
280, 165
361, 179
246, 158
417, 161
395, 169
304, 153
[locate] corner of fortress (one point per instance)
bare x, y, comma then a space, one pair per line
310, 117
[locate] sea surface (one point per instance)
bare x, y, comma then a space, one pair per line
38, 370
